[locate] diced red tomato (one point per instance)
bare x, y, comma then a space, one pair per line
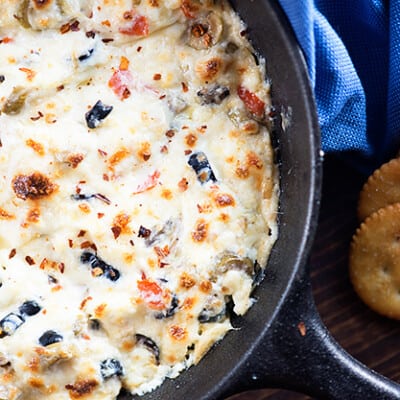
149, 183
137, 26
151, 293
6, 39
120, 83
252, 102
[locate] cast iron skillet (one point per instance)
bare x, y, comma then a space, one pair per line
270, 348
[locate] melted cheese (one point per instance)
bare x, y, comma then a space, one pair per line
138, 191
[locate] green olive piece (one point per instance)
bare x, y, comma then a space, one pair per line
22, 14
15, 101
205, 31
233, 262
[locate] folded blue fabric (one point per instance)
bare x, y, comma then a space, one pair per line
352, 49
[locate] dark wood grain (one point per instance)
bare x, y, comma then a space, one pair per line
372, 339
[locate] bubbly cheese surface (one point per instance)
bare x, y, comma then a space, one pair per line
138, 193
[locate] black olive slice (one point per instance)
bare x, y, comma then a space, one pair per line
171, 310
86, 55
10, 323
50, 337
111, 367
29, 308
101, 267
97, 114
199, 162
150, 345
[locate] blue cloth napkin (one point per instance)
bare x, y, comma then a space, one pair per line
352, 49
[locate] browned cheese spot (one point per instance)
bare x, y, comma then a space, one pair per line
81, 388
201, 231
208, 70
33, 186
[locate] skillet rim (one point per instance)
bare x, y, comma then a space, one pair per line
225, 354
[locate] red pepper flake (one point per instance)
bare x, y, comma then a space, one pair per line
116, 230
252, 102
87, 244
157, 77
40, 115
30, 74
30, 260
70, 243
139, 49
60, 87
90, 34
185, 87
61, 267
170, 133
13, 252
69, 26
131, 242
187, 152
106, 177
107, 40
81, 233
102, 152
162, 252
84, 301
301, 326
100, 215
189, 9
6, 40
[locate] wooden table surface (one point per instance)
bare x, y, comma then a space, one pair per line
372, 339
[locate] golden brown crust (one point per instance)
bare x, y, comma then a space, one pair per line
33, 186
381, 189
374, 261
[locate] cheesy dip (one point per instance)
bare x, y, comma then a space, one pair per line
138, 193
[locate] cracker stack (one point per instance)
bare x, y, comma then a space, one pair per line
374, 262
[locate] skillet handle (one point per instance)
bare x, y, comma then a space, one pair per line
303, 356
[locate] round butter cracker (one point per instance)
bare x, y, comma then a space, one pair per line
381, 189
374, 261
